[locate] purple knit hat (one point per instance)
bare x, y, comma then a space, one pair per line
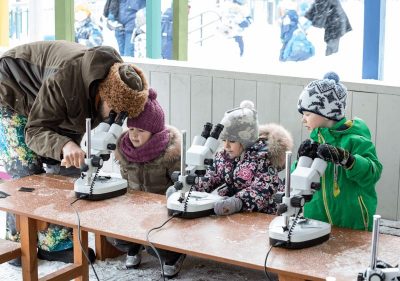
151, 119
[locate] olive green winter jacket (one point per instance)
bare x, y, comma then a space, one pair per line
347, 197
54, 84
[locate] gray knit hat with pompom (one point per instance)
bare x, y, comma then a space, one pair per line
241, 124
326, 97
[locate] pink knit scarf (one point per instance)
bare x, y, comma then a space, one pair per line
147, 152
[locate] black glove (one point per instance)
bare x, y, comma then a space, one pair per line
308, 148
335, 155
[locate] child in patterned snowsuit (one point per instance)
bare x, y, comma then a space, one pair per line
246, 170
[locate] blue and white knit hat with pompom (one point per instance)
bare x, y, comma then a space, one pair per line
241, 124
326, 97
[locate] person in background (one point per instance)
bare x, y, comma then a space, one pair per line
347, 197
148, 153
47, 90
123, 13
139, 34
87, 32
167, 30
235, 18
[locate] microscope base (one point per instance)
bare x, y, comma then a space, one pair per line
199, 204
306, 233
104, 188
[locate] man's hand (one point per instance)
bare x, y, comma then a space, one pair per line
228, 206
335, 155
73, 155
308, 148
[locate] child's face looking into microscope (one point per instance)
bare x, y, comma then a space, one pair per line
312, 121
233, 148
138, 136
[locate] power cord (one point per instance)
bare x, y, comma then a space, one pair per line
187, 198
176, 214
79, 234
290, 232
266, 258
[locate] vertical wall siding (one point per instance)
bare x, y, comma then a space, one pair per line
387, 146
193, 96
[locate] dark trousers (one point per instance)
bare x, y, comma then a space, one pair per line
168, 257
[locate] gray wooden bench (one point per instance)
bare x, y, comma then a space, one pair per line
9, 250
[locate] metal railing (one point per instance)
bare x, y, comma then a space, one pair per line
18, 22
204, 29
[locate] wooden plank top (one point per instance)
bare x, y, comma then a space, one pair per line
240, 239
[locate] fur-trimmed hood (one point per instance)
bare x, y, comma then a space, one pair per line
154, 176
279, 141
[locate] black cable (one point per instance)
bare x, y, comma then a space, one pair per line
79, 235
266, 258
154, 248
265, 263
187, 198
93, 181
290, 232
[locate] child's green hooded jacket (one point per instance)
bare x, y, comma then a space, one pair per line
347, 197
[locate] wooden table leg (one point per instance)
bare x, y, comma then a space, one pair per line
104, 249
28, 248
79, 257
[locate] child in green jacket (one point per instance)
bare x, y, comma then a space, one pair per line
347, 197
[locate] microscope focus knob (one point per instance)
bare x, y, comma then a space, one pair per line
191, 179
282, 208
178, 185
278, 197
175, 176
111, 146
377, 276
97, 161
297, 201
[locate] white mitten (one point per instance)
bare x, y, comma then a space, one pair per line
228, 206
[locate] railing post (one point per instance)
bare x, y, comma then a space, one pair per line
64, 20
374, 35
180, 37
153, 29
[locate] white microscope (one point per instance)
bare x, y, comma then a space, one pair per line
374, 272
290, 229
194, 204
99, 145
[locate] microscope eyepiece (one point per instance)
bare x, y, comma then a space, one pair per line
111, 117
121, 117
206, 130
217, 131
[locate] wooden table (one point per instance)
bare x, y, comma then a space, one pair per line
30, 207
239, 239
